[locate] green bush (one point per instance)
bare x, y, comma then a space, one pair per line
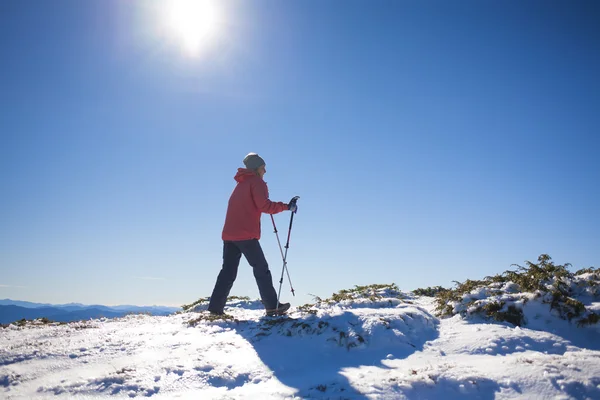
429, 291
553, 283
187, 307
372, 292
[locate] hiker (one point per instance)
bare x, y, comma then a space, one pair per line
241, 233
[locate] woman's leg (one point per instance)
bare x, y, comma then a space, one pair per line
256, 258
231, 261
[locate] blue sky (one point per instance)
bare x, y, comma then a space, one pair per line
429, 142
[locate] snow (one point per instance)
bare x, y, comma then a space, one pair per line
356, 348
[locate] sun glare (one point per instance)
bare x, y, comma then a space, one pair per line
194, 23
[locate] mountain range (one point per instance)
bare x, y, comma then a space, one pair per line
15, 310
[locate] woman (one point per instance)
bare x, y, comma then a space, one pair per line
241, 233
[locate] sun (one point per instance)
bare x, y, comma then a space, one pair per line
193, 23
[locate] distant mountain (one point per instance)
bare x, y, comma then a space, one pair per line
15, 310
14, 313
10, 314
26, 304
29, 304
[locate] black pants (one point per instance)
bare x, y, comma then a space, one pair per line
232, 252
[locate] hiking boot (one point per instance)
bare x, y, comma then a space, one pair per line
216, 312
282, 309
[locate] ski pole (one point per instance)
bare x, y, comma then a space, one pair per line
284, 256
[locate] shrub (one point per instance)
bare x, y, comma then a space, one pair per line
429, 291
372, 292
554, 284
187, 307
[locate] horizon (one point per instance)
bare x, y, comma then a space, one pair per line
429, 143
87, 305
454, 285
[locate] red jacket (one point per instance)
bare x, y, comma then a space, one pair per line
249, 199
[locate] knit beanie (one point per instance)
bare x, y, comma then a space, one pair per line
253, 161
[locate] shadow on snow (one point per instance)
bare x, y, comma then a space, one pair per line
310, 354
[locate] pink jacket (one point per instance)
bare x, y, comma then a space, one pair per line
249, 199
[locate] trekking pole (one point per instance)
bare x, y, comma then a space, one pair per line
284, 256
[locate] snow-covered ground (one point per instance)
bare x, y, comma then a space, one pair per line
389, 348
